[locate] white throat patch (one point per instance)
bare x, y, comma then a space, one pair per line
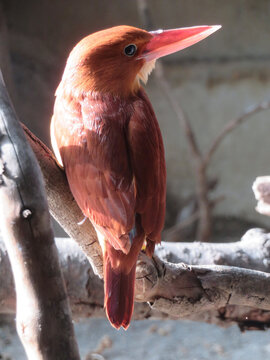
145, 71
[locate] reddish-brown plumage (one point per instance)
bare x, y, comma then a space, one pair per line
105, 134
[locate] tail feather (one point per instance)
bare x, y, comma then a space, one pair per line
119, 278
119, 294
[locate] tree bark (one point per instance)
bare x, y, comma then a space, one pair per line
62, 205
43, 316
236, 293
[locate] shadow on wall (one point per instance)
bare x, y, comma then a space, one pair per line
214, 81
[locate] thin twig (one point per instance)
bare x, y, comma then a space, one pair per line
182, 117
205, 219
174, 230
144, 14
231, 125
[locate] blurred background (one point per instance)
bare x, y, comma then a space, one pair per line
214, 81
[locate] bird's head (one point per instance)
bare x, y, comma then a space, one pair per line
115, 60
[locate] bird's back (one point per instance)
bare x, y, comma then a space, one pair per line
112, 152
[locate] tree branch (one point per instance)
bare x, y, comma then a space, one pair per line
179, 112
62, 205
43, 316
231, 125
212, 293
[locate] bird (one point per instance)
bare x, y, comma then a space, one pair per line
105, 135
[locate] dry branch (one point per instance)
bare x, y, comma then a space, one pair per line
231, 125
252, 252
205, 211
62, 205
216, 294
43, 316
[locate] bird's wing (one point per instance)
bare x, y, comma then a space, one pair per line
148, 164
114, 160
91, 139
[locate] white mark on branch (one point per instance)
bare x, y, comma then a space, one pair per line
2, 170
2, 167
82, 221
186, 266
26, 213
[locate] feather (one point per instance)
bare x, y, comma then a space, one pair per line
119, 280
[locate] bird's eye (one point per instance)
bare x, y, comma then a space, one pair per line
130, 49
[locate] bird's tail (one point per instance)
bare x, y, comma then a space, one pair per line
119, 282
119, 294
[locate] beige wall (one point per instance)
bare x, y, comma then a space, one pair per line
214, 80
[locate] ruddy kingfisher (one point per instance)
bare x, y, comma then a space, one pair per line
105, 134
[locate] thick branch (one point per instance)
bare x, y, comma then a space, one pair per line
43, 317
62, 205
211, 293
252, 252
